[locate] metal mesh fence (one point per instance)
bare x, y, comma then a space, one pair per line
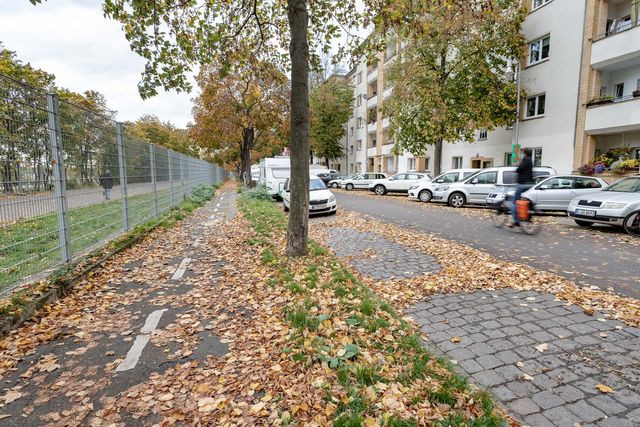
72, 179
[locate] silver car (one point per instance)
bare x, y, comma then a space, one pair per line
611, 206
555, 193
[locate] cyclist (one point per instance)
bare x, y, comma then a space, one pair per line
525, 182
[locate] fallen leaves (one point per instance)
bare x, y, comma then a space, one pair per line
11, 396
455, 339
542, 347
604, 388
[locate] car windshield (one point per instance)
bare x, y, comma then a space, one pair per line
629, 185
316, 184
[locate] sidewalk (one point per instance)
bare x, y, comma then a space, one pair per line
111, 351
549, 362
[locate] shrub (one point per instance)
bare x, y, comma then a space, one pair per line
586, 169
258, 193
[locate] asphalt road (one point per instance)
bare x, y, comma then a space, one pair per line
601, 257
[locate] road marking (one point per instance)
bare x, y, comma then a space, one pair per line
181, 269
133, 356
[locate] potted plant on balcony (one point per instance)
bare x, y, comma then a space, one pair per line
599, 100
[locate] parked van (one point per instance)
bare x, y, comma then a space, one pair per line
274, 171
476, 188
255, 173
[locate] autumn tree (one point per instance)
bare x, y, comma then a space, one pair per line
331, 105
241, 110
450, 77
165, 134
174, 37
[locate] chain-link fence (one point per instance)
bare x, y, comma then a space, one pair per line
72, 179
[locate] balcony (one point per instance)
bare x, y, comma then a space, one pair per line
372, 151
372, 102
387, 92
372, 127
617, 48
623, 115
372, 75
385, 123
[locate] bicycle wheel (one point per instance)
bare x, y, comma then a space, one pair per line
632, 224
530, 226
502, 217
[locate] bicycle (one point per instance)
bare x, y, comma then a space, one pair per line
632, 223
526, 212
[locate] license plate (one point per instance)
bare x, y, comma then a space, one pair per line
316, 207
585, 212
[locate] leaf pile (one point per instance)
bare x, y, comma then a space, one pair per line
465, 269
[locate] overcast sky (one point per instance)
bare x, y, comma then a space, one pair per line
71, 39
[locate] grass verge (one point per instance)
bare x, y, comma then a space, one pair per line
377, 372
21, 303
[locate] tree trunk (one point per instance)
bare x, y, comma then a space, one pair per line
299, 51
248, 137
437, 158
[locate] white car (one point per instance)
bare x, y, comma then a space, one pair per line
614, 205
423, 191
476, 188
398, 183
362, 180
321, 199
555, 193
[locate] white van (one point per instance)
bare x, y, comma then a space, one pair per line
255, 173
274, 171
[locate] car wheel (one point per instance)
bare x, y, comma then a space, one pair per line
286, 209
380, 190
349, 187
425, 196
334, 185
583, 223
457, 200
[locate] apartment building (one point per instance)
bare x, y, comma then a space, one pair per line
582, 79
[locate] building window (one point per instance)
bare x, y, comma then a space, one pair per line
391, 50
359, 122
426, 163
411, 164
539, 3
482, 135
358, 167
456, 162
359, 145
535, 106
539, 50
619, 90
508, 159
359, 101
360, 77
350, 167
537, 156
351, 130
351, 149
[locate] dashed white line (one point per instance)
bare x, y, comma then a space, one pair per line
181, 269
133, 356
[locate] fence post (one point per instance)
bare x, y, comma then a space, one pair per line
153, 180
122, 160
181, 175
170, 154
59, 177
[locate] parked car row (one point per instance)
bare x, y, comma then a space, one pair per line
586, 199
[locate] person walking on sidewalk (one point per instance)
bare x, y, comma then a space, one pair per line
106, 182
525, 182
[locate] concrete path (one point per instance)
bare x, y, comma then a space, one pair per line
581, 256
125, 334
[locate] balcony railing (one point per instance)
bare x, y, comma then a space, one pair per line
620, 28
597, 102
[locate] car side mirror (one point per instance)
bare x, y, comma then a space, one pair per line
474, 181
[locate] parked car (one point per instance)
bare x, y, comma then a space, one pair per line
423, 191
362, 181
339, 183
327, 177
555, 193
476, 188
321, 199
398, 183
500, 193
611, 206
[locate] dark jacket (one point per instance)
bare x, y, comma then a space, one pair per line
525, 171
106, 181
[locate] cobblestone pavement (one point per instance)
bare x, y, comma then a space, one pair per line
379, 258
498, 332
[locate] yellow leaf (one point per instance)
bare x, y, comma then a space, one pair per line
455, 339
370, 422
604, 388
11, 396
